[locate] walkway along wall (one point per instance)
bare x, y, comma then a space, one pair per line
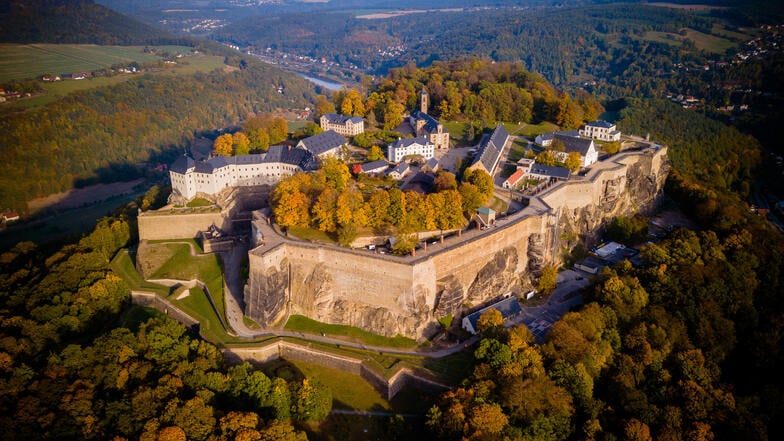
292, 351
392, 295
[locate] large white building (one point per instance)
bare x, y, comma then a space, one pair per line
342, 124
601, 130
401, 148
189, 177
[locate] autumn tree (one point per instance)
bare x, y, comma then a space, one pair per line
352, 104
393, 114
336, 173
483, 182
573, 161
312, 400
224, 145
323, 210
547, 280
489, 320
546, 158
445, 180
375, 153
323, 106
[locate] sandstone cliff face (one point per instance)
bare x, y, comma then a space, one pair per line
390, 299
265, 294
318, 298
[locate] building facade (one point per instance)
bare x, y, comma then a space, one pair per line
189, 177
601, 130
401, 148
342, 124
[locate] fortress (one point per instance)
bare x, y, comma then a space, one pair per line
392, 295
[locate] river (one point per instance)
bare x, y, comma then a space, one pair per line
331, 85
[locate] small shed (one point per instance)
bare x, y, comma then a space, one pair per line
508, 307
485, 216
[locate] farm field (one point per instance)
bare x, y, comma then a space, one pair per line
25, 61
73, 58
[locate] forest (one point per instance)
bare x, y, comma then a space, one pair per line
88, 136
78, 362
687, 346
75, 21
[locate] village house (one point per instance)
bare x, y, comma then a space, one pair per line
374, 168
421, 146
541, 172
546, 139
601, 130
324, 144
10, 216
431, 165
342, 124
515, 179
425, 125
585, 147
399, 172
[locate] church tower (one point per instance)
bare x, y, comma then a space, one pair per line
423, 101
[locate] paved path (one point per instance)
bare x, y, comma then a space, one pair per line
538, 318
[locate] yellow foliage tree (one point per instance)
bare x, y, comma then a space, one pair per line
573, 161
224, 145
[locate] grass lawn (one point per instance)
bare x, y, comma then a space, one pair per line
457, 132
62, 223
311, 234
198, 306
348, 390
30, 61
174, 261
710, 43
517, 149
135, 315
296, 125
300, 323
499, 205
123, 266
702, 41
531, 130
199, 202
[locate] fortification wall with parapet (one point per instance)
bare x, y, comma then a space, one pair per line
391, 295
171, 225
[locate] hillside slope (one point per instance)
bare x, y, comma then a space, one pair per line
72, 21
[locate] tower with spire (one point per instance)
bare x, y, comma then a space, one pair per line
423, 98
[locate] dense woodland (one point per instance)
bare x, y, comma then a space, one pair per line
687, 346
77, 362
74, 21
557, 43
92, 134
471, 90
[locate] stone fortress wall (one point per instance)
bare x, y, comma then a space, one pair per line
392, 295
186, 223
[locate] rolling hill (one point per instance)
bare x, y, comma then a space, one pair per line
72, 21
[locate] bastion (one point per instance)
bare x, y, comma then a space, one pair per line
391, 295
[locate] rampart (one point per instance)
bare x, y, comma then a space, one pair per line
392, 295
176, 225
292, 351
186, 222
